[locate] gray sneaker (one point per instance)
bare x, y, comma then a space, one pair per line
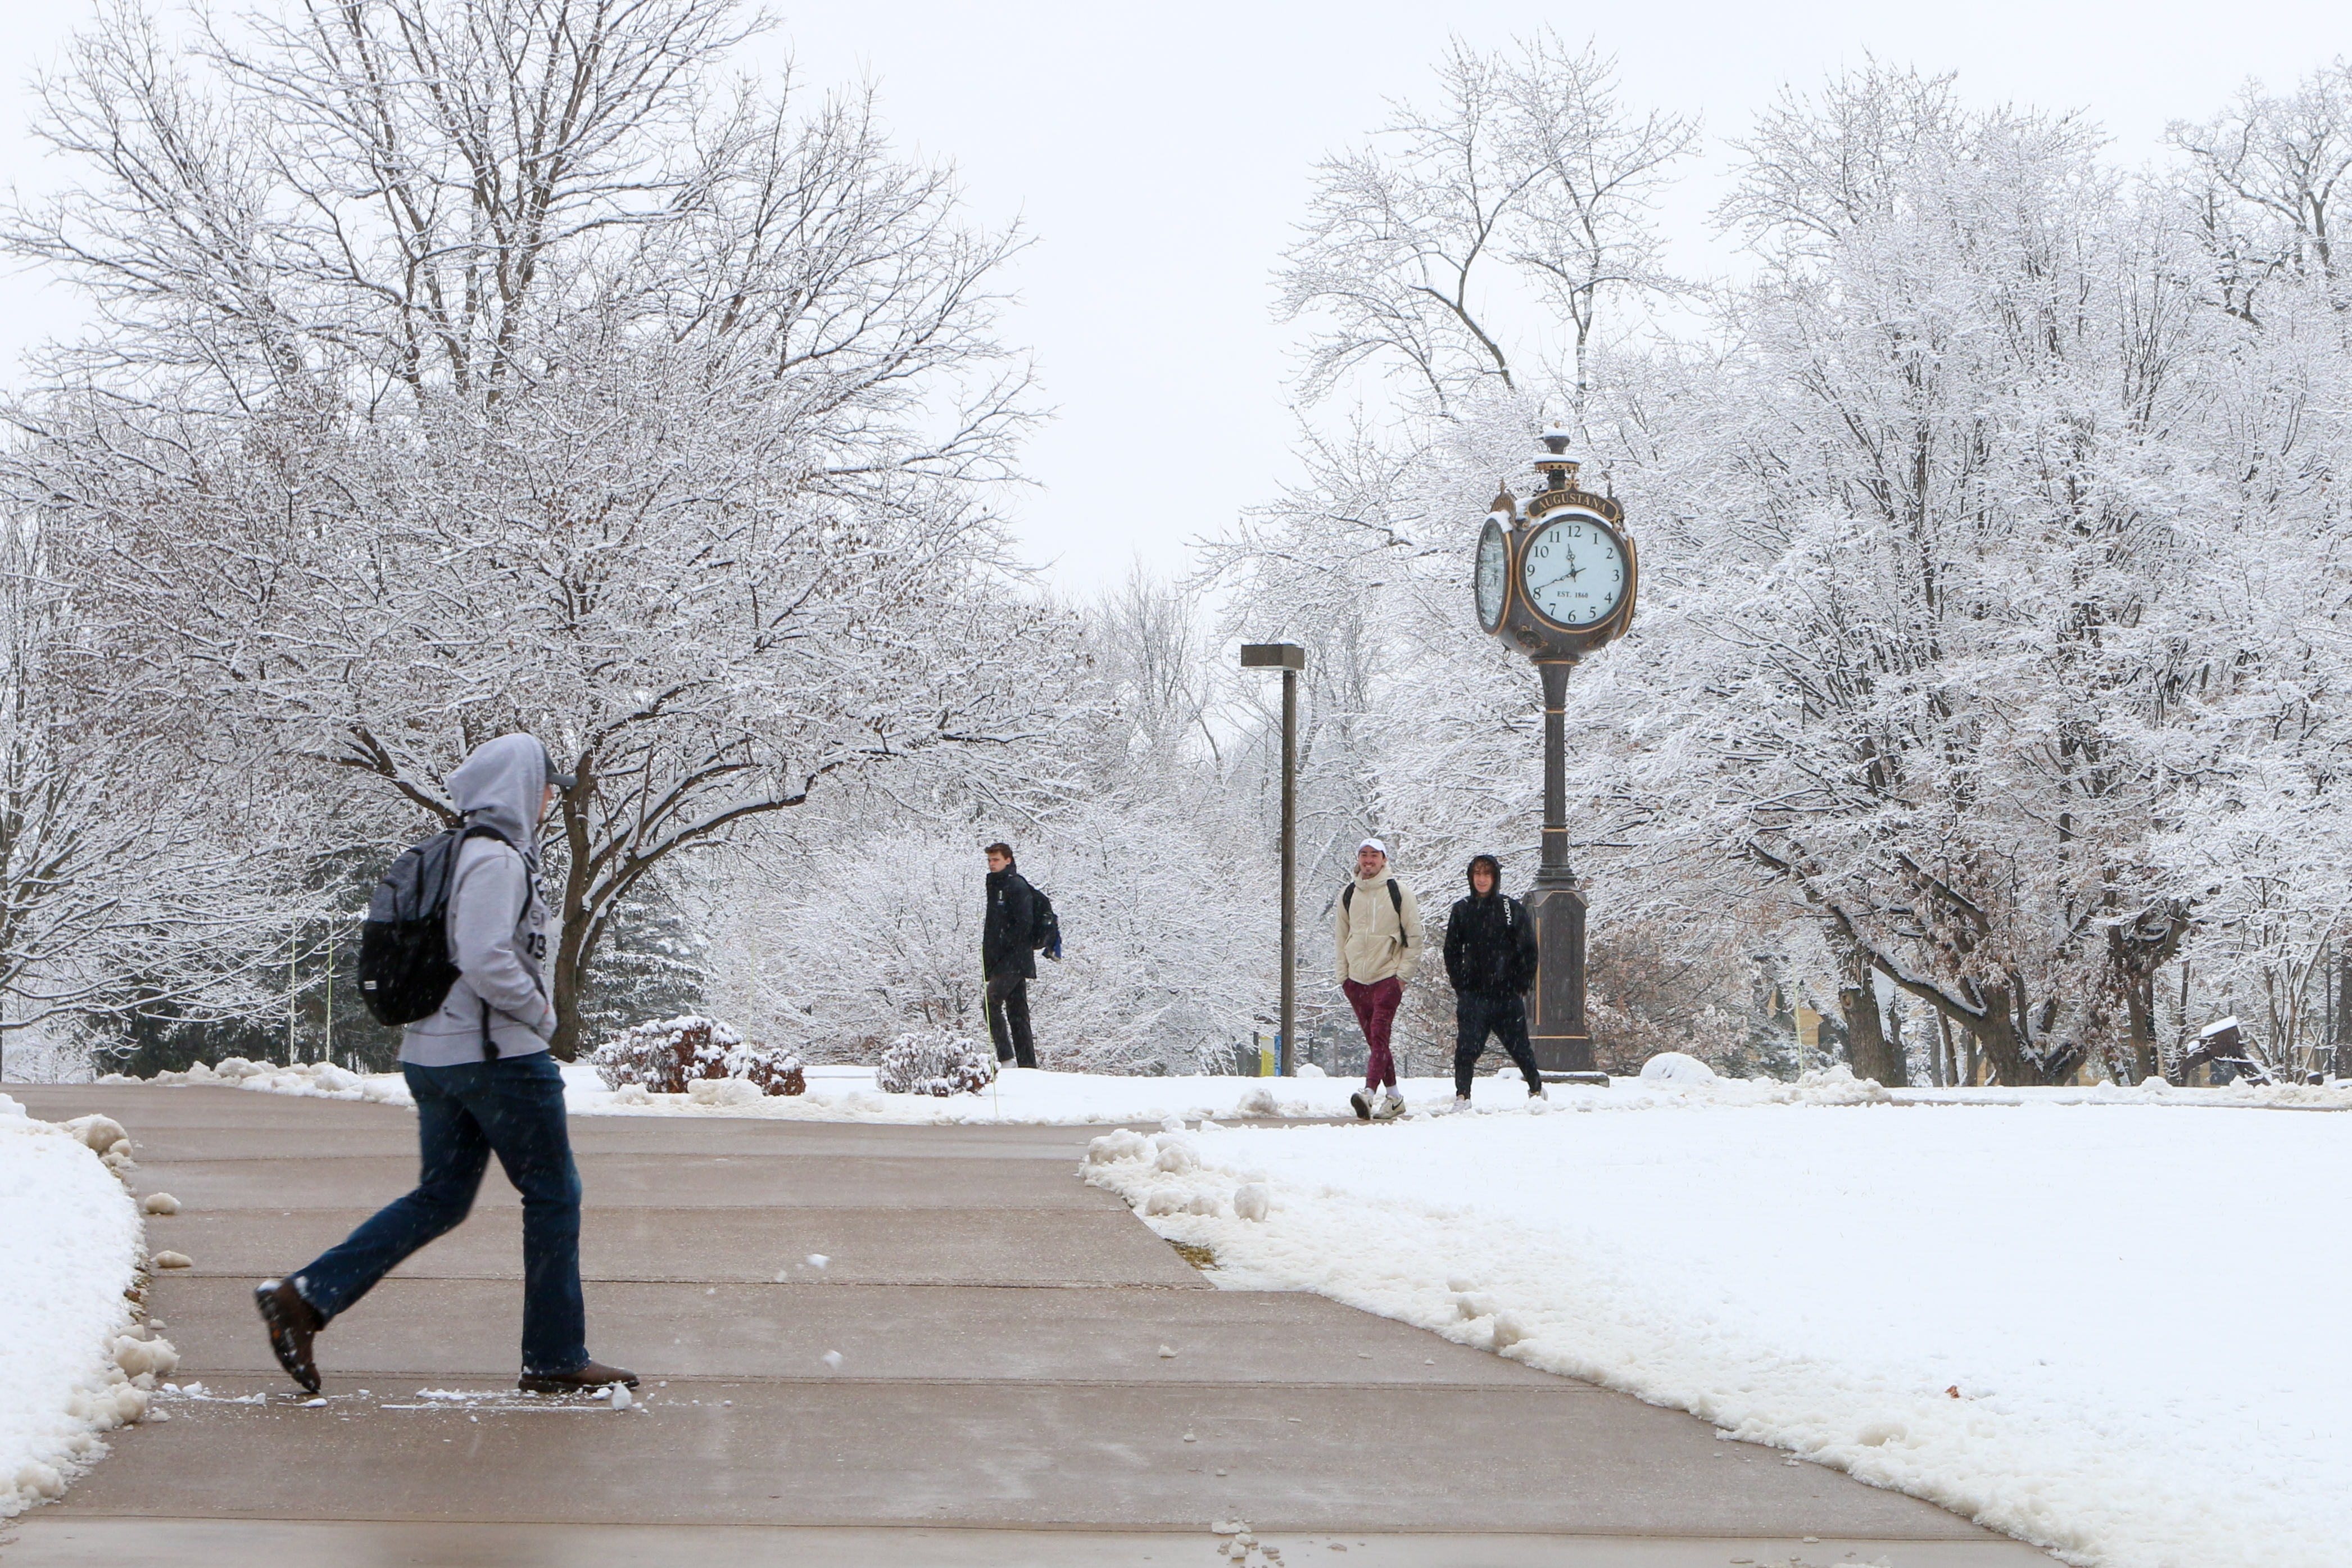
1362, 1100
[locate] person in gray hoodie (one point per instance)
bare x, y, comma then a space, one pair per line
484, 1084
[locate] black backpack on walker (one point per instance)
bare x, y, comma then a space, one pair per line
405, 968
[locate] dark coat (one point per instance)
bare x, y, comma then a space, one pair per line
1490, 945
1008, 935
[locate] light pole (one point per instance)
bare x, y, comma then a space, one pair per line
1289, 658
1556, 578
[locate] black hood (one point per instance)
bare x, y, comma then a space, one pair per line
1470, 873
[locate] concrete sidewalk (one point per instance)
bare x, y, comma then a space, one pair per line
999, 1396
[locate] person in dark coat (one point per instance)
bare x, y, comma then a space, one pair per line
1008, 956
1490, 957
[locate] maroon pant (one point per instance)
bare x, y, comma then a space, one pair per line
1376, 1009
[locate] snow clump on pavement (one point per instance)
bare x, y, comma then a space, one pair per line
73, 1248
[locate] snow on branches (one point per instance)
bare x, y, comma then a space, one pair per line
1989, 660
660, 425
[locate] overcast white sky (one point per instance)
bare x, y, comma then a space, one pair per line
1160, 154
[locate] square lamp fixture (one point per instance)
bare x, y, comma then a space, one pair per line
1273, 655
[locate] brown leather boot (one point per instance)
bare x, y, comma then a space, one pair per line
585, 1380
292, 1323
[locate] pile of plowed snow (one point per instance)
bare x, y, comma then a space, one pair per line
71, 1247
2101, 1326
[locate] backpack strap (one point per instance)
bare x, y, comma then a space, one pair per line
1396, 903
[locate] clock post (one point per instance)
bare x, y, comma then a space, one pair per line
1556, 1004
1556, 578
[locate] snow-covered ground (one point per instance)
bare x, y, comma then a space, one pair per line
70, 1241
849, 1094
2098, 1319
2110, 1328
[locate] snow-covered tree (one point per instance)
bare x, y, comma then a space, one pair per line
1528, 179
856, 927
135, 875
1990, 573
472, 365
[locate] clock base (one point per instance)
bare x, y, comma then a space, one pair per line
1556, 1025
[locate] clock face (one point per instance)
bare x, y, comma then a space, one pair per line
1574, 571
1494, 574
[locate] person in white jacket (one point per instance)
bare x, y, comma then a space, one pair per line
1379, 945
484, 1084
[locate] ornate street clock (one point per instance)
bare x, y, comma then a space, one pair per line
1556, 578
1567, 561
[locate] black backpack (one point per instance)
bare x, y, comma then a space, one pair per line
405, 968
1044, 925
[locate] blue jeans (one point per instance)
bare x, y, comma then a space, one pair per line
512, 1108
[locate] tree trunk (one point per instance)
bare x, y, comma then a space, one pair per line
2134, 956
1872, 1055
565, 1042
1996, 1034
569, 971
2004, 1045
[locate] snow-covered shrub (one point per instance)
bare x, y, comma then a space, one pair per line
667, 1054
934, 1062
1676, 1067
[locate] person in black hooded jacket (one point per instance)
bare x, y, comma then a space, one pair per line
1008, 957
1490, 957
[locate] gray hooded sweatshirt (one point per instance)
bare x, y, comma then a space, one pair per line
498, 927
